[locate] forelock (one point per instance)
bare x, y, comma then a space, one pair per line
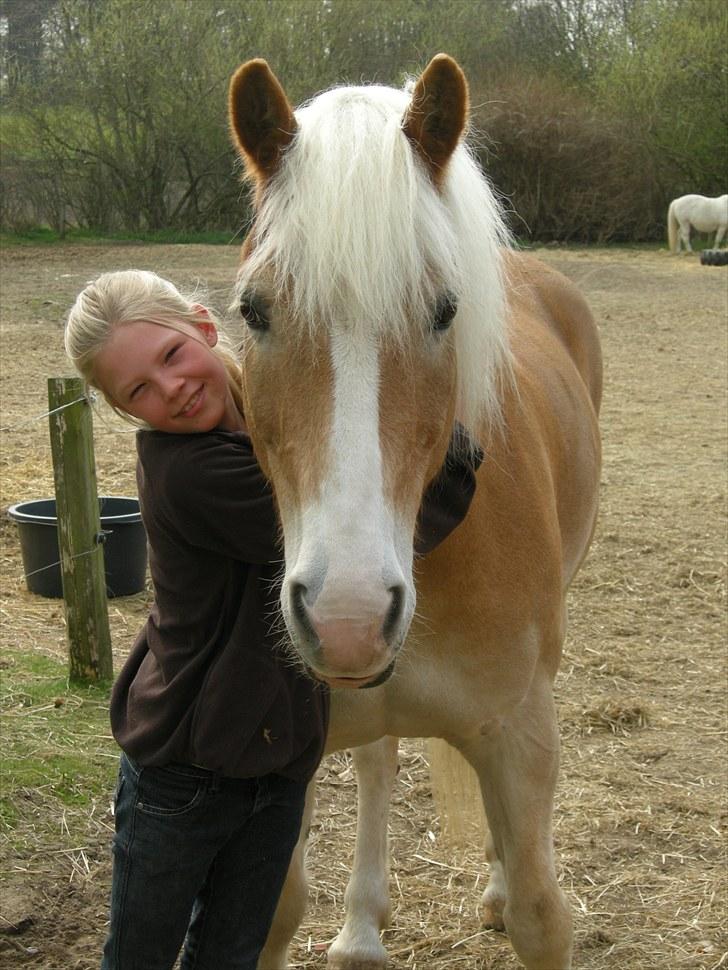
351, 227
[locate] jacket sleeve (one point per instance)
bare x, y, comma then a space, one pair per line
216, 495
447, 498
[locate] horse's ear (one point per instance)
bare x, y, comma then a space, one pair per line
261, 118
436, 116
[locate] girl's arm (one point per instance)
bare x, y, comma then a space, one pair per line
213, 491
210, 489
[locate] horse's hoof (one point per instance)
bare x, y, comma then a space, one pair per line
491, 912
490, 920
343, 962
373, 957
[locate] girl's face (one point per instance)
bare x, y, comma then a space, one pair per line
169, 378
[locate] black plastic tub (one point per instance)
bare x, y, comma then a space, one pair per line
125, 547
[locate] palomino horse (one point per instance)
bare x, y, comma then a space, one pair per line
381, 308
696, 212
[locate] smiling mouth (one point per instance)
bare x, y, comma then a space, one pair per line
192, 403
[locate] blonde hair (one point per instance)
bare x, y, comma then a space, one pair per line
130, 296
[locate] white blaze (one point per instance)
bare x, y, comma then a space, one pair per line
346, 557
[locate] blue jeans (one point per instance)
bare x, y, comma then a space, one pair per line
199, 863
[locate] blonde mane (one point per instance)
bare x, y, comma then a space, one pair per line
356, 235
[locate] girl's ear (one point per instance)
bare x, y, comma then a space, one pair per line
208, 331
205, 325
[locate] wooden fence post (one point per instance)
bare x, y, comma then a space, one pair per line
80, 540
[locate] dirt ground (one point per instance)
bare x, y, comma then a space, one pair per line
641, 812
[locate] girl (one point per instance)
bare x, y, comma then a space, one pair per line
220, 733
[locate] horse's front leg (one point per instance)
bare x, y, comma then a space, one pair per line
719, 236
292, 903
517, 763
358, 946
684, 236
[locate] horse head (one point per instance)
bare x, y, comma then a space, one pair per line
371, 288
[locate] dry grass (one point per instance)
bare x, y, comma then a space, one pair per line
641, 809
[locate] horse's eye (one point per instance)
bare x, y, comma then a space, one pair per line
445, 310
253, 312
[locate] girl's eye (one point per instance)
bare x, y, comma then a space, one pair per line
137, 390
253, 312
170, 354
447, 307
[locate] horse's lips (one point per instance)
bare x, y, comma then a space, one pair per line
355, 683
348, 683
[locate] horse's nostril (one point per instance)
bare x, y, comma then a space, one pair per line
299, 610
298, 605
394, 613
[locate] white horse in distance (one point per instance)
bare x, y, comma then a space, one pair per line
699, 213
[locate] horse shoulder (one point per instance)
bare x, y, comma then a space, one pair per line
551, 438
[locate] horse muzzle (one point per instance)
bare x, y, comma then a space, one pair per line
353, 643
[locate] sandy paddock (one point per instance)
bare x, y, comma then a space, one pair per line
640, 819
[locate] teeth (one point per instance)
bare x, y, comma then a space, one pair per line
191, 403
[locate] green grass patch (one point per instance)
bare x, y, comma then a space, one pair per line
228, 237
59, 759
49, 237
653, 245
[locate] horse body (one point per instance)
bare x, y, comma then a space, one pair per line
351, 398
699, 213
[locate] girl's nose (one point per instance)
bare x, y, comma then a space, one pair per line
171, 386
